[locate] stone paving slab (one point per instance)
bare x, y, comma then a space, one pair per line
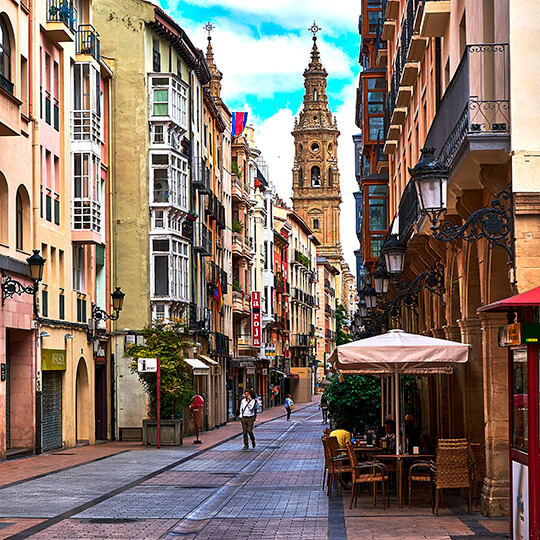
262, 528
70, 529
187, 478
282, 502
57, 493
149, 502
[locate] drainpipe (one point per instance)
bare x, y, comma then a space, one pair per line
438, 85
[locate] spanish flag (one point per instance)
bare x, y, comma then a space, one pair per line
218, 297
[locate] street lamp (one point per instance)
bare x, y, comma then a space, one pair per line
394, 254
381, 280
118, 302
430, 178
11, 287
370, 297
362, 307
494, 223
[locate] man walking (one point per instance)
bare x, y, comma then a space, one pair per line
247, 417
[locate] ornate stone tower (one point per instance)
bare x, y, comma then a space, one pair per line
316, 192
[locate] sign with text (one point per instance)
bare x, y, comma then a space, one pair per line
147, 365
53, 359
256, 319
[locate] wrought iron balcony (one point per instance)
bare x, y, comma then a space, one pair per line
221, 343
202, 242
300, 340
88, 41
63, 11
475, 108
200, 176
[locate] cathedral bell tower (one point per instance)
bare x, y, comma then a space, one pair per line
316, 192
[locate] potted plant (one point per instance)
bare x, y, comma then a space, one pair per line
237, 226
236, 285
168, 341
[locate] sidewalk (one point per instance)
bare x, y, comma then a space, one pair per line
22, 469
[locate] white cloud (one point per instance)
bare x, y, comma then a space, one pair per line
295, 15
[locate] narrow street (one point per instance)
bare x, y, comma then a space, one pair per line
270, 492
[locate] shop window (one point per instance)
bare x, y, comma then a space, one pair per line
520, 401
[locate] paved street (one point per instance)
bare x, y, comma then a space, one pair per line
272, 491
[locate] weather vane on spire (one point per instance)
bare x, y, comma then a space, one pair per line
209, 27
314, 29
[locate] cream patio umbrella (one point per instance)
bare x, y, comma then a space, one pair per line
398, 353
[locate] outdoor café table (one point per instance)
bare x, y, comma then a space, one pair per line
400, 459
367, 452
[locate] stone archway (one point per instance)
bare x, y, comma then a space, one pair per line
82, 403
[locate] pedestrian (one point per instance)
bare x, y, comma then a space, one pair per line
247, 417
289, 406
323, 405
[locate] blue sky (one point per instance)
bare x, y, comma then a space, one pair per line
262, 48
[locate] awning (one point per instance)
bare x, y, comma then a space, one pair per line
242, 361
208, 360
198, 367
526, 299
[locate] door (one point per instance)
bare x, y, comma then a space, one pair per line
52, 410
101, 403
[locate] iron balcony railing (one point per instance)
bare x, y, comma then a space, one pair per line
475, 102
202, 242
62, 11
215, 274
408, 211
221, 343
200, 176
300, 340
88, 41
199, 318
6, 84
381, 156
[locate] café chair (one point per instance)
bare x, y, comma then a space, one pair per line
478, 468
367, 473
421, 471
334, 465
452, 469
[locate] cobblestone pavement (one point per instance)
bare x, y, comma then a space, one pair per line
270, 492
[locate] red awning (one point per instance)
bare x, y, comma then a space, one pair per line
527, 299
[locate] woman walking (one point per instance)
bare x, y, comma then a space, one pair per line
289, 406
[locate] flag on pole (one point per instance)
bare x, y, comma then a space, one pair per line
239, 120
218, 297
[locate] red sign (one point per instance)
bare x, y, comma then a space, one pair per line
256, 319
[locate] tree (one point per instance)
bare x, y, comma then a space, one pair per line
168, 341
341, 316
356, 401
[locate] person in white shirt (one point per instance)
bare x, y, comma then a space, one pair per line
247, 417
289, 405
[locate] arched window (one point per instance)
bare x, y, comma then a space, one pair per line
4, 211
5, 51
301, 177
330, 177
22, 219
315, 176
19, 221
315, 95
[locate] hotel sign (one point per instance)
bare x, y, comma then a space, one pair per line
256, 319
53, 359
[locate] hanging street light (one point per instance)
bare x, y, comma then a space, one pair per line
393, 252
381, 279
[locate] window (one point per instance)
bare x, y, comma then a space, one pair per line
375, 92
374, 17
81, 310
19, 224
520, 409
315, 176
169, 98
78, 268
315, 147
5, 57
156, 56
61, 307
158, 135
45, 303
316, 224
160, 312
376, 215
158, 219
87, 192
301, 177
330, 177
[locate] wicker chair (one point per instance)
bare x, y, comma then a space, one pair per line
422, 471
452, 469
334, 468
367, 473
479, 468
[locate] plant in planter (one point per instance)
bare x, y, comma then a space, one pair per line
236, 285
236, 170
168, 341
237, 226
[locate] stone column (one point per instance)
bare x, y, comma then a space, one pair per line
496, 491
472, 381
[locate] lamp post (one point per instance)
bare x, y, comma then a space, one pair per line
362, 307
494, 223
393, 252
370, 297
381, 279
99, 314
11, 287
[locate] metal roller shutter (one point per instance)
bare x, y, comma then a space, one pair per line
52, 410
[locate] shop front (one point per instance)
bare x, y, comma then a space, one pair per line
522, 338
53, 368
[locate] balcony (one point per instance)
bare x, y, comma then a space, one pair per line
85, 126
215, 274
10, 109
216, 210
300, 340
390, 9
199, 319
86, 221
87, 41
408, 212
202, 242
474, 115
221, 344
60, 21
435, 17
200, 176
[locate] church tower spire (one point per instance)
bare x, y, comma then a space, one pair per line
316, 190
215, 81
